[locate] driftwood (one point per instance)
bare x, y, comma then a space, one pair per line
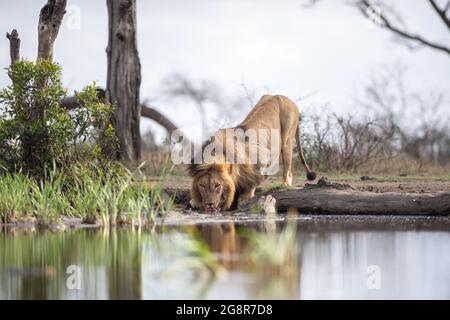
339, 199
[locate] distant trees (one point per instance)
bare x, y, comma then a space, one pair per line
385, 132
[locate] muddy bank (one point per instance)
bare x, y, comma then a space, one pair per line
310, 223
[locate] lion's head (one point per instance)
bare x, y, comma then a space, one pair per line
213, 188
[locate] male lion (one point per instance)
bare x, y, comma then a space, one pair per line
223, 184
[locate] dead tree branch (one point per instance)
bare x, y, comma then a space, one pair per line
14, 46
158, 117
146, 111
50, 20
364, 6
442, 12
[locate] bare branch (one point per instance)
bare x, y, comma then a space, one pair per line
155, 115
364, 5
441, 13
180, 86
146, 111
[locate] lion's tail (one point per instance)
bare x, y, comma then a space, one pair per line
311, 175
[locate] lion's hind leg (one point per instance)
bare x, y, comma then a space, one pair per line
286, 157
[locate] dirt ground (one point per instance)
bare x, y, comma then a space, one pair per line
379, 184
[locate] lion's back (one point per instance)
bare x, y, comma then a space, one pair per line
269, 112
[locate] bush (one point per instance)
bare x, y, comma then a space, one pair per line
37, 133
346, 143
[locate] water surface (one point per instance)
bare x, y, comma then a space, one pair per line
333, 258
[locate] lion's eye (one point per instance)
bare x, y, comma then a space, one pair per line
202, 186
217, 186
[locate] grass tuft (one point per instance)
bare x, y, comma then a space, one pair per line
94, 200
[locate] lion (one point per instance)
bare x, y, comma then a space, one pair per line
224, 185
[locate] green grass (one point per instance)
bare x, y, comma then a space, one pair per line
94, 200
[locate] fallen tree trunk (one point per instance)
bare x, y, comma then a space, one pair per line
333, 201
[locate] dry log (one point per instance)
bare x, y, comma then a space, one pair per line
333, 201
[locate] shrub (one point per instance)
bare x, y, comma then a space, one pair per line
37, 133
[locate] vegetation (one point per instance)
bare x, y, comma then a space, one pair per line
92, 199
61, 163
33, 143
386, 140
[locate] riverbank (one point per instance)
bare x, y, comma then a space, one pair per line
175, 189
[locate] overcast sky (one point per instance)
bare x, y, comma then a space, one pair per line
325, 52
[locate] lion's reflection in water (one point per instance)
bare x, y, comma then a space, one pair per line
236, 251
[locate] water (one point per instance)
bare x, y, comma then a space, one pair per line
404, 259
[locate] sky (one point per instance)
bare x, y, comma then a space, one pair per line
324, 53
